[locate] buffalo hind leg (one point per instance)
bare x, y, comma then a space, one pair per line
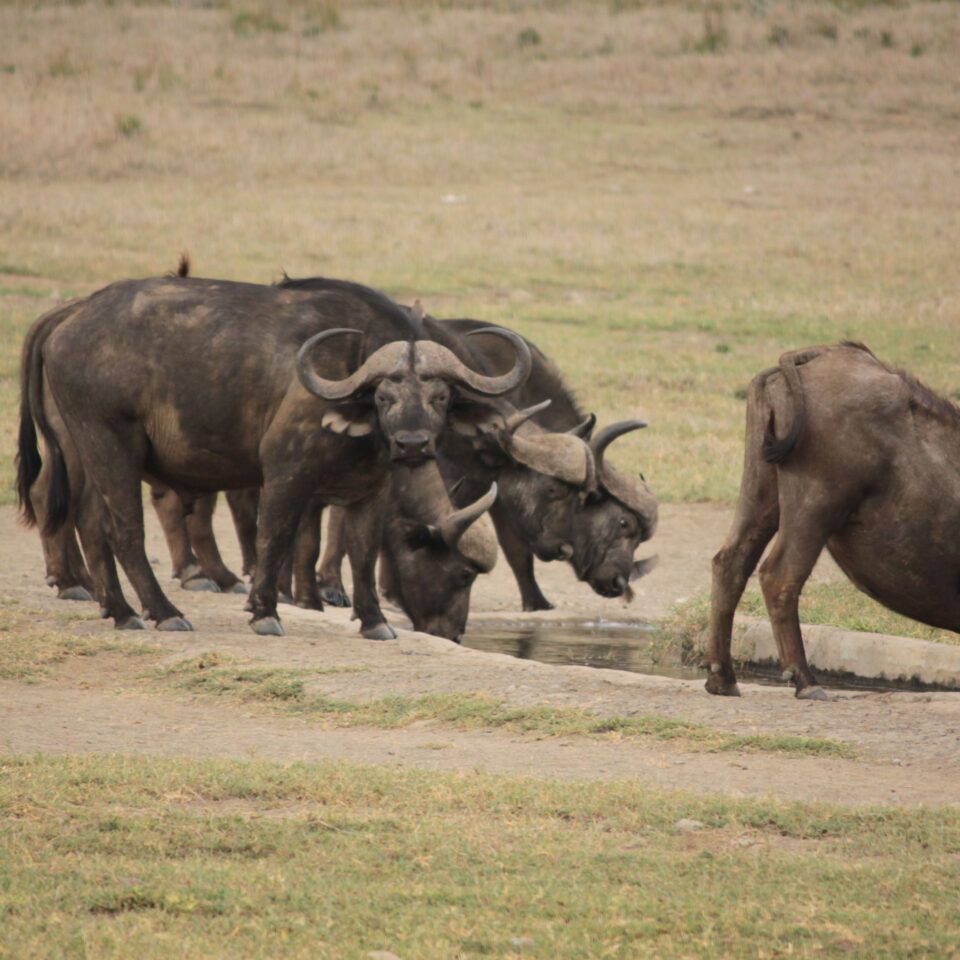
334, 548
114, 468
782, 577
754, 524
92, 523
199, 524
364, 530
520, 558
65, 566
170, 512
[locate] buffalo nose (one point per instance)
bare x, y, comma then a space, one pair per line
620, 583
566, 551
412, 441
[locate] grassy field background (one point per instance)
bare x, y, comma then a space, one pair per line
663, 198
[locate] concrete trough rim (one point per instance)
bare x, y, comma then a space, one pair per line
872, 656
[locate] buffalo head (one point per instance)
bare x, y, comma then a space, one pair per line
567, 503
429, 568
405, 388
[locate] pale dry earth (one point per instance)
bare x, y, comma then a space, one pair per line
908, 745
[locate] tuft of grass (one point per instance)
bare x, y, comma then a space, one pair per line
128, 125
289, 690
714, 38
247, 22
128, 856
529, 37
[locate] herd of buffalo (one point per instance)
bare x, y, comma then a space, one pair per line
429, 441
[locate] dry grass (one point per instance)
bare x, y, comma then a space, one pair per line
663, 215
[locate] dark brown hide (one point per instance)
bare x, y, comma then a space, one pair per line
845, 452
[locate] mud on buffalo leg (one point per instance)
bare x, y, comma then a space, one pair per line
520, 558
306, 549
243, 508
364, 531
199, 523
113, 467
328, 573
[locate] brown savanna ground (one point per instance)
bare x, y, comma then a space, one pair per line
663, 201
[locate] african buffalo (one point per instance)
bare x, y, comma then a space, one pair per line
845, 452
205, 385
558, 497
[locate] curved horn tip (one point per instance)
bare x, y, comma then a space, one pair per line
522, 416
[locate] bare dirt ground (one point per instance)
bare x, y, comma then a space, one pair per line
908, 745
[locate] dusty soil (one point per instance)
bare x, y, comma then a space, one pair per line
908, 744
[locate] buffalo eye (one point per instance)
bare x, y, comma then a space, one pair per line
624, 524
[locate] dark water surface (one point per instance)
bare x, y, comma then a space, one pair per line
635, 647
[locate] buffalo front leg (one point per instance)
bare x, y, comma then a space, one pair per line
306, 550
281, 505
364, 530
520, 557
328, 573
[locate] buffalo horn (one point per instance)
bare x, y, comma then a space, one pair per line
522, 416
335, 389
496, 386
456, 525
583, 430
608, 434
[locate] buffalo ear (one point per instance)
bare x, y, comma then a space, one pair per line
475, 419
349, 419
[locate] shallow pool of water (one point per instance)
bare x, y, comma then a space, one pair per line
634, 647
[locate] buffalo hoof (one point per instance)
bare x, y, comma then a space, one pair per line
175, 624
240, 588
720, 687
285, 598
382, 631
335, 598
815, 692
542, 604
74, 593
51, 581
200, 585
131, 623
268, 627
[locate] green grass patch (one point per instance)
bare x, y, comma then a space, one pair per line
119, 857
288, 690
30, 643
